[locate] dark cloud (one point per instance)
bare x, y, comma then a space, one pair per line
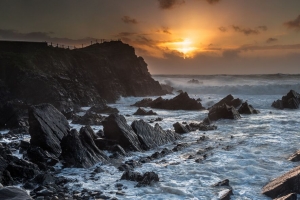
249, 31
293, 24
271, 40
213, 1
231, 53
125, 34
223, 29
43, 36
166, 30
169, 4
128, 20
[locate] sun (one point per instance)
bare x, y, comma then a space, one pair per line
185, 47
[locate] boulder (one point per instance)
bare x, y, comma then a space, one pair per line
13, 193
228, 100
291, 196
116, 128
103, 108
224, 182
202, 127
247, 109
291, 101
179, 128
143, 180
142, 111
47, 127
226, 194
80, 150
180, 102
223, 112
295, 157
287, 183
90, 118
151, 137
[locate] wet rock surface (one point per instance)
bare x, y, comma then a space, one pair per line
228, 100
13, 193
247, 109
180, 102
142, 111
89, 118
223, 112
291, 100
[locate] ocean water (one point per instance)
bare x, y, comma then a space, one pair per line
249, 152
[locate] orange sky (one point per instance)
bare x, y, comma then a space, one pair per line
173, 36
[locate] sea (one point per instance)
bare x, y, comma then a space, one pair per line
249, 152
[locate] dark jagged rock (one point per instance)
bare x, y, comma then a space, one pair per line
13, 193
202, 127
41, 157
291, 101
167, 88
143, 180
44, 179
90, 118
229, 100
13, 114
142, 111
151, 137
295, 157
224, 182
287, 183
179, 128
180, 102
103, 108
223, 112
116, 128
79, 150
226, 195
291, 196
247, 109
84, 76
47, 128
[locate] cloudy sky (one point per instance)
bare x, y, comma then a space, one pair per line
173, 36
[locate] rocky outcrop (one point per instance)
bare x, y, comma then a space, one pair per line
223, 112
89, 118
295, 157
180, 128
291, 101
47, 128
103, 109
142, 111
143, 180
116, 128
247, 109
80, 150
13, 193
151, 137
287, 183
65, 77
229, 100
180, 102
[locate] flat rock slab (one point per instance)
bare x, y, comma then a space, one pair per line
287, 183
13, 193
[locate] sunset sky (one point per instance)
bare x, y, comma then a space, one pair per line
173, 36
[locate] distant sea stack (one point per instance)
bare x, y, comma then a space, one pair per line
37, 73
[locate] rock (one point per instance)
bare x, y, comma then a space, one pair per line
169, 89
247, 109
79, 150
226, 194
291, 196
291, 101
44, 179
180, 102
228, 100
287, 183
179, 128
223, 112
151, 137
148, 179
41, 157
116, 128
194, 81
202, 127
90, 118
295, 157
13, 114
224, 182
47, 127
142, 111
103, 108
13, 193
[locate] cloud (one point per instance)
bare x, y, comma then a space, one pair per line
249, 31
293, 24
43, 36
213, 1
169, 4
164, 29
231, 53
128, 20
271, 40
223, 29
125, 34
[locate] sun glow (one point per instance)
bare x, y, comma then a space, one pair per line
185, 47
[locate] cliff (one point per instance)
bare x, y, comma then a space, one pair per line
37, 73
